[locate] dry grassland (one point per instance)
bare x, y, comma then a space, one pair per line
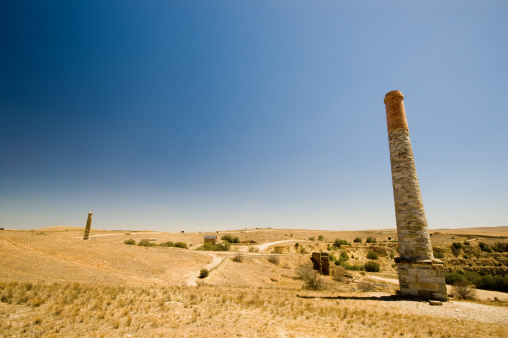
73, 309
52, 283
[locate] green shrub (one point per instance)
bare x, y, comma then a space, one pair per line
484, 247
167, 244
129, 241
180, 245
353, 267
467, 243
215, 247
321, 238
204, 273
338, 242
372, 255
370, 240
230, 239
451, 277
332, 257
357, 240
457, 245
297, 244
312, 239
439, 255
372, 266
146, 242
343, 256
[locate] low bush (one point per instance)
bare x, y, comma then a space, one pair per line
338, 242
366, 286
215, 247
180, 245
451, 277
312, 239
167, 244
484, 247
372, 255
457, 245
463, 290
357, 240
204, 273
238, 258
321, 238
274, 259
129, 241
372, 266
343, 256
370, 240
146, 242
278, 250
311, 279
352, 267
230, 239
253, 249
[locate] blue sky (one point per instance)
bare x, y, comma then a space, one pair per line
209, 115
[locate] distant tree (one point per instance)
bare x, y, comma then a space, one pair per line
321, 238
357, 240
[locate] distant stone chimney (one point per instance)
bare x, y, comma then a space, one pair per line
88, 225
420, 274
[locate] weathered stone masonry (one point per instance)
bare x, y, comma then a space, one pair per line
419, 273
88, 225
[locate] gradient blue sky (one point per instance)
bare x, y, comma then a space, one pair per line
209, 115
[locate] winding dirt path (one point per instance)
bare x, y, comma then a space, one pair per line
216, 260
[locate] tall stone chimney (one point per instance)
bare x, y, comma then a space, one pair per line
88, 225
420, 275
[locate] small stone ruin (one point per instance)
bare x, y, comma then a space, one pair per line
321, 262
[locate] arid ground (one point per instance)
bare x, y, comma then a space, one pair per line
53, 283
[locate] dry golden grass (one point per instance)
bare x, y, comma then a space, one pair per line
73, 309
52, 283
